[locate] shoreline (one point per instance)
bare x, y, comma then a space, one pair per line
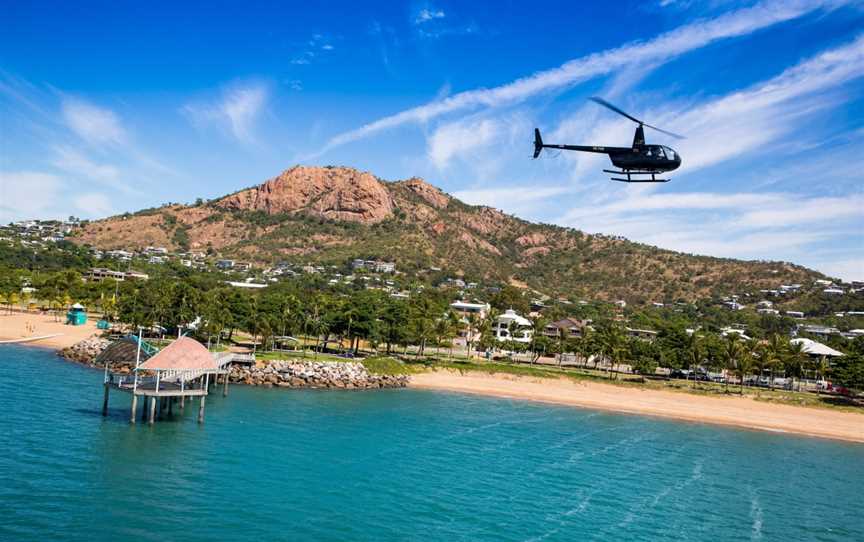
740, 412
42, 330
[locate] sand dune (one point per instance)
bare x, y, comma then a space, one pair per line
734, 411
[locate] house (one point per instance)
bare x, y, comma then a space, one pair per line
570, 328
137, 275
816, 349
644, 334
795, 314
819, 331
251, 285
764, 305
98, 274
465, 309
833, 291
740, 332
772, 312
621, 304
512, 327
225, 264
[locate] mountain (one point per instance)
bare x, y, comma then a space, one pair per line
334, 214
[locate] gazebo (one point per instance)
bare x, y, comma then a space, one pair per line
180, 370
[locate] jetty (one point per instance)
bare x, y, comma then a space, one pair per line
183, 370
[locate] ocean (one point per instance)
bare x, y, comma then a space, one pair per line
275, 464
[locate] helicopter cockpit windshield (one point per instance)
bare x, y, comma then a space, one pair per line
670, 154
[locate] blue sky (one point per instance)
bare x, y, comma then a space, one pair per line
107, 107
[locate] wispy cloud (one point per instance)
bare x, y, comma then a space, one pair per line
93, 205
236, 110
72, 161
96, 125
428, 14
317, 45
662, 48
27, 194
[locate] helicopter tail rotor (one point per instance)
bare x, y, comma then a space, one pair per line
538, 142
611, 107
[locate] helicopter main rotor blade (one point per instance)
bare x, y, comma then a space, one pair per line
607, 105
676, 136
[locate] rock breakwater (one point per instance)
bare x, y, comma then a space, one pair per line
85, 351
315, 374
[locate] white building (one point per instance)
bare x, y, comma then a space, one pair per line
816, 349
466, 309
513, 327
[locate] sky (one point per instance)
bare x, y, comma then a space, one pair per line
107, 107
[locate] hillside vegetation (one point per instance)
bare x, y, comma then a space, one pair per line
332, 214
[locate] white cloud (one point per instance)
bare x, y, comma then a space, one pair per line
236, 111
660, 49
93, 205
742, 121
94, 124
72, 161
848, 270
27, 194
512, 199
425, 15
460, 138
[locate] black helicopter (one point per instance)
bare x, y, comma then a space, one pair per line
640, 159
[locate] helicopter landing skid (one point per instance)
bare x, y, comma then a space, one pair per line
629, 179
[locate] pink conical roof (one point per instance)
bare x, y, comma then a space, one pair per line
184, 354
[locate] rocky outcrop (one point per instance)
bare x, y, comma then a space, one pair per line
430, 194
85, 351
315, 374
336, 193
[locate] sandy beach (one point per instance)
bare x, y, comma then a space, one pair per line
20, 325
734, 411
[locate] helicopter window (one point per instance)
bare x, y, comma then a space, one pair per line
659, 152
670, 154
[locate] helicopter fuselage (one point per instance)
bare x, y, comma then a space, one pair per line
648, 158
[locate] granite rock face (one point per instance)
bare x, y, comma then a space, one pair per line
336, 193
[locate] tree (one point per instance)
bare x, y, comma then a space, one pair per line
795, 361
774, 354
744, 364
732, 355
848, 371
613, 346
694, 354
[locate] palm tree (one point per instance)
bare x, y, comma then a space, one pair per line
732, 355
612, 341
744, 365
796, 359
694, 354
822, 367
774, 354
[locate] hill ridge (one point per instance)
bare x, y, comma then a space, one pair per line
332, 214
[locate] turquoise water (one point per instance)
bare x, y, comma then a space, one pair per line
397, 465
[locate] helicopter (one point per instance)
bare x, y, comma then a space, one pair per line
639, 159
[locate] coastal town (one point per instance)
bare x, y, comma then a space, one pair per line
791, 337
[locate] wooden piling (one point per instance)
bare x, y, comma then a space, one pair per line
225, 385
170, 406
201, 402
105, 401
152, 417
133, 411
182, 402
